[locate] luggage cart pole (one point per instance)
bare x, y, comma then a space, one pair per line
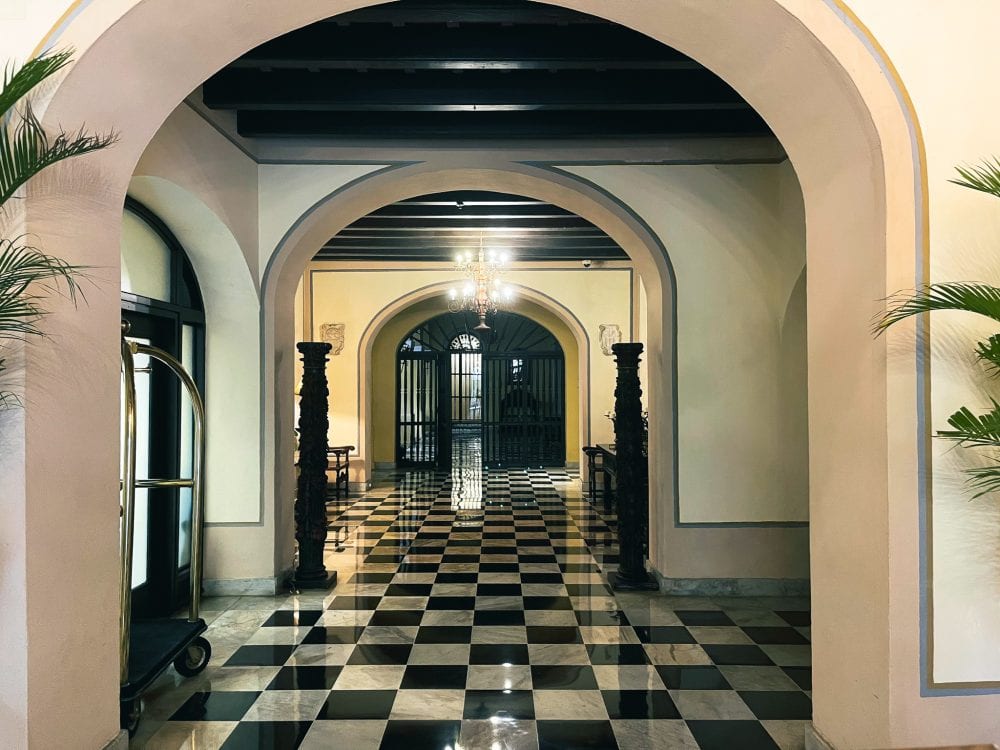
147, 648
128, 507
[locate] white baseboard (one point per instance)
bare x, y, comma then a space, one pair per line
242, 586
120, 742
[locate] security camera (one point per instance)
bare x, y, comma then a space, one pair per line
586, 263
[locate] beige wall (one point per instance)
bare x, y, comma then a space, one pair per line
735, 235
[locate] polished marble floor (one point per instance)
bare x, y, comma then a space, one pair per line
472, 613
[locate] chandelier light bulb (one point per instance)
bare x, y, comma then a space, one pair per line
469, 290
458, 257
452, 293
504, 256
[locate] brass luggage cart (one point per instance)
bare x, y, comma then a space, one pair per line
148, 647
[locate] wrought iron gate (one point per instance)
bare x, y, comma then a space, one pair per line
418, 428
523, 410
506, 388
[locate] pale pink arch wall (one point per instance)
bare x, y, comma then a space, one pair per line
821, 89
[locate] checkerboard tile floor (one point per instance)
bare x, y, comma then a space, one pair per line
472, 612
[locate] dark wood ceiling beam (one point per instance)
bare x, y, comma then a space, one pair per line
326, 46
499, 125
403, 243
463, 12
443, 91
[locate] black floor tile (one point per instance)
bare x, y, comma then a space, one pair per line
541, 578
692, 678
409, 589
444, 634
267, 735
305, 678
562, 677
357, 704
663, 634
435, 677
498, 589
798, 619
380, 654
728, 735
577, 735
421, 735
553, 634
609, 653
456, 578
778, 704
640, 704
503, 704
801, 675
230, 705
729, 654
260, 656
292, 617
334, 634
703, 617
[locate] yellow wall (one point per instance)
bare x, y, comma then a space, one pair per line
384, 371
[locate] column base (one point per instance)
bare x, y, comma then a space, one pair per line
326, 582
643, 582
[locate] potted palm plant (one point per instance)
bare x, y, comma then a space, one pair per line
967, 427
28, 275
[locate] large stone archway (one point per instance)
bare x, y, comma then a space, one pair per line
802, 65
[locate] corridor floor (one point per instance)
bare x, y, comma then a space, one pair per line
472, 613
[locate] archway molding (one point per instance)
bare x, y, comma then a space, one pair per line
823, 88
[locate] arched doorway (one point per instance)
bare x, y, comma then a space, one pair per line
162, 303
873, 186
494, 397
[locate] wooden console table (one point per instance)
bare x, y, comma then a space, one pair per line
608, 467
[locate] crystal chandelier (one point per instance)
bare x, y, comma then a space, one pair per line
483, 293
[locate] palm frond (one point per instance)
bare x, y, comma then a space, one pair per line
19, 81
984, 479
22, 266
989, 352
972, 429
984, 177
26, 149
973, 297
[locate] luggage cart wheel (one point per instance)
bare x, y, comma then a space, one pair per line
130, 713
194, 658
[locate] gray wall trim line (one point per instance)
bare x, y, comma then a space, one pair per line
222, 131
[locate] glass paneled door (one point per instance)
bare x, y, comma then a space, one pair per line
162, 303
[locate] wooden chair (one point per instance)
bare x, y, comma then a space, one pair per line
595, 465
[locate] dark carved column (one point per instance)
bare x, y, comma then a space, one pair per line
310, 502
631, 473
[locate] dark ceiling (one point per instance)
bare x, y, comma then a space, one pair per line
473, 69
435, 227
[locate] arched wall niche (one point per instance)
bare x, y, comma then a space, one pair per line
376, 328
821, 85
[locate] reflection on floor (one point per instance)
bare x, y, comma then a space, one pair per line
487, 627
